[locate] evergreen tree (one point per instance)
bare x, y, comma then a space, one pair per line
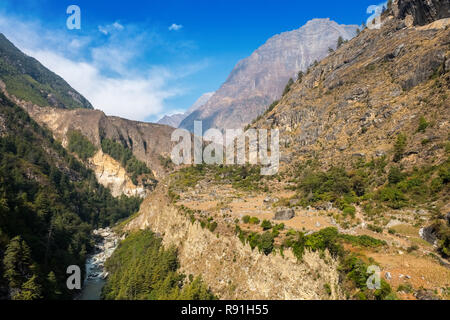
17, 262
31, 290
340, 42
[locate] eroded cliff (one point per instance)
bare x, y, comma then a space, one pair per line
233, 270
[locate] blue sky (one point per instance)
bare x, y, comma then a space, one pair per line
129, 61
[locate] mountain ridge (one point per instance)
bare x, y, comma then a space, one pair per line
27, 79
258, 80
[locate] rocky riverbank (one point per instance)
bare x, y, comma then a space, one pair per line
107, 242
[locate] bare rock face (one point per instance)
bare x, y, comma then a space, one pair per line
147, 141
284, 214
175, 119
258, 80
422, 11
113, 176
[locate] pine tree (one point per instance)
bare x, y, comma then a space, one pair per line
340, 42
17, 262
31, 290
52, 286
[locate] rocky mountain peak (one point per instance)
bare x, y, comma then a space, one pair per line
258, 80
174, 120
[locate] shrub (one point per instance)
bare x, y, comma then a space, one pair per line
349, 210
412, 248
393, 196
374, 228
246, 219
253, 220
364, 240
395, 175
266, 243
266, 225
423, 125
288, 87
212, 226
132, 165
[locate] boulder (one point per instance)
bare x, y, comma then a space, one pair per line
284, 214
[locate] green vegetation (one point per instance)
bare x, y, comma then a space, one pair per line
264, 242
49, 203
423, 125
80, 145
374, 228
353, 268
251, 220
134, 167
288, 87
141, 269
355, 271
362, 241
28, 80
266, 225
399, 147
340, 42
442, 229
335, 185
245, 177
374, 185
166, 162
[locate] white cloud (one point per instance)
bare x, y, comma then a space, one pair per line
175, 27
103, 71
133, 98
108, 29
118, 26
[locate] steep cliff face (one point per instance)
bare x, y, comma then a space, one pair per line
422, 12
113, 176
232, 270
147, 141
258, 80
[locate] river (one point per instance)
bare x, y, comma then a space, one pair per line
95, 264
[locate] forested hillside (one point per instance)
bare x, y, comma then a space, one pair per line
49, 203
141, 269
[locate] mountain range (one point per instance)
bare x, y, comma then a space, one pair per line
258, 80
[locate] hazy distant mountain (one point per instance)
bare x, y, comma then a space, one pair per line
175, 119
260, 79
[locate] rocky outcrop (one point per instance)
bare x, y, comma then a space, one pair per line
284, 214
113, 176
233, 270
356, 101
421, 11
258, 80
